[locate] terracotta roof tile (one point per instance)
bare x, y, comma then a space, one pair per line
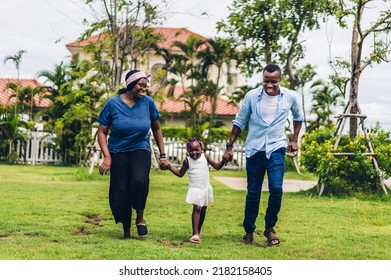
6, 92
176, 105
170, 34
83, 43
174, 34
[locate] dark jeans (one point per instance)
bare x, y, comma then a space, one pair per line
129, 183
256, 167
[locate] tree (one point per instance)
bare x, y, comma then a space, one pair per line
374, 33
268, 31
84, 97
25, 96
76, 93
237, 96
125, 33
58, 88
10, 132
56, 82
324, 100
160, 74
189, 69
218, 54
16, 59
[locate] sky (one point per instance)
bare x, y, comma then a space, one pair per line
44, 27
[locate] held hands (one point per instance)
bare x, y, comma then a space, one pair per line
227, 156
164, 164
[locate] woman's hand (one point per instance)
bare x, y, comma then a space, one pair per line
105, 166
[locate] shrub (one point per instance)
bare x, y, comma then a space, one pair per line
217, 134
174, 132
347, 174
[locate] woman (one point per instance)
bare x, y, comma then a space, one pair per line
127, 153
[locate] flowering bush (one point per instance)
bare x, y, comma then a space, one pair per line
346, 174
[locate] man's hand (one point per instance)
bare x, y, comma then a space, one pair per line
292, 146
227, 156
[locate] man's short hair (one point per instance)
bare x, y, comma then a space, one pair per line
272, 68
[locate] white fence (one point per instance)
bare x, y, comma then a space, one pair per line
176, 152
39, 149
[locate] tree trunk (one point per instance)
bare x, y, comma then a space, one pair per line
214, 102
355, 71
292, 79
268, 53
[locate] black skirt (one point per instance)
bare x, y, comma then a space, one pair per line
129, 183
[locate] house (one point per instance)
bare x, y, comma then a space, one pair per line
6, 92
172, 109
173, 106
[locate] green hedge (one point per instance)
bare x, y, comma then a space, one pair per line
216, 135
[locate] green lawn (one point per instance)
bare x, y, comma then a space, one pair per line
60, 213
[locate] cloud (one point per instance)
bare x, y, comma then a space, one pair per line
377, 112
35, 26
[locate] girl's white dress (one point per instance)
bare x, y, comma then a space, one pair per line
200, 190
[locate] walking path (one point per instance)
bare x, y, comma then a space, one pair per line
289, 185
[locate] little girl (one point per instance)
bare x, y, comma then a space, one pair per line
200, 191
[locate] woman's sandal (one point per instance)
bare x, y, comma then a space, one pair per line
272, 239
142, 229
195, 239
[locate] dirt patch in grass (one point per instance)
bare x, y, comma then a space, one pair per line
3, 235
171, 243
82, 231
93, 219
33, 234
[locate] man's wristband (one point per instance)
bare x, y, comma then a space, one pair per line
229, 145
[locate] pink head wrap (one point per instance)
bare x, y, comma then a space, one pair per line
136, 76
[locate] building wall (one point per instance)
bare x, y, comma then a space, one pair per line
177, 120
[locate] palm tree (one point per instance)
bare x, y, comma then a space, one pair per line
58, 92
10, 132
56, 81
163, 80
77, 93
17, 59
25, 96
218, 53
237, 96
188, 67
325, 98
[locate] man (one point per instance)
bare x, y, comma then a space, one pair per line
266, 110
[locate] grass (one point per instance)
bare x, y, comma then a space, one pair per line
60, 213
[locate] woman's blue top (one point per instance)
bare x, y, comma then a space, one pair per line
129, 125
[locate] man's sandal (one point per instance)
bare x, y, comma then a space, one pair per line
248, 238
272, 239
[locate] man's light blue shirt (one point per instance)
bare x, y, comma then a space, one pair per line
261, 135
